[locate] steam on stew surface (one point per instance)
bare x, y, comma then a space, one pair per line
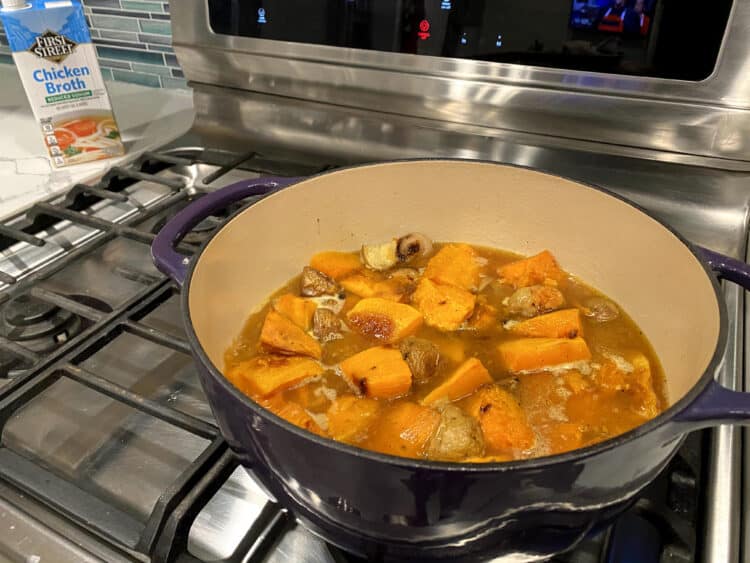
447, 352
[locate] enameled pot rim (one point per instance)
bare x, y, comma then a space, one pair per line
663, 419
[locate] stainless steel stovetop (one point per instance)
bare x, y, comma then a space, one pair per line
108, 450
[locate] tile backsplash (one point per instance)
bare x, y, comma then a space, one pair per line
133, 39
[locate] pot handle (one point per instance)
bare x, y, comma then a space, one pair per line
717, 404
727, 268
163, 253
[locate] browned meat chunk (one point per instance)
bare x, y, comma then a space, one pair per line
326, 325
458, 436
315, 283
422, 357
535, 300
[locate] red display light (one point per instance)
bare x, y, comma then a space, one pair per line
424, 30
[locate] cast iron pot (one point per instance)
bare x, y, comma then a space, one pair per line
393, 508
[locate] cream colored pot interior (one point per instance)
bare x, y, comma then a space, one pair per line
605, 242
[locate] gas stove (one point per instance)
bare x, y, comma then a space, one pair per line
109, 451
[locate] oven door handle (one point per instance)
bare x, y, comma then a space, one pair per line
174, 264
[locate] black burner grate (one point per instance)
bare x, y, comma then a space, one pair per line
76, 485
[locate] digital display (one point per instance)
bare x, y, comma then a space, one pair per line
628, 17
661, 38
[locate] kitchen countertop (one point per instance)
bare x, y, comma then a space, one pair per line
147, 117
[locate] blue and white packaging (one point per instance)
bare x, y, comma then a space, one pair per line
59, 70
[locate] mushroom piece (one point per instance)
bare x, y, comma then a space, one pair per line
535, 300
458, 436
600, 310
422, 356
315, 283
380, 256
326, 325
409, 275
413, 245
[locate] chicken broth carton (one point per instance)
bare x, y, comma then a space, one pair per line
52, 49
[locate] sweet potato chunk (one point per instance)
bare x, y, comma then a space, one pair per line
380, 373
264, 375
536, 353
454, 264
560, 324
292, 412
636, 379
645, 383
444, 307
589, 409
462, 382
299, 311
336, 264
384, 319
281, 335
403, 429
503, 423
535, 270
366, 284
349, 417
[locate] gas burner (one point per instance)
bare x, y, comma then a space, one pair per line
12, 365
38, 326
202, 231
92, 302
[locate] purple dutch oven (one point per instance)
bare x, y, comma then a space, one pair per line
393, 508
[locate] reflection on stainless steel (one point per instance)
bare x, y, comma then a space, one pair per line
22, 259
707, 118
227, 118
223, 523
100, 444
709, 204
724, 474
152, 371
25, 539
116, 271
299, 545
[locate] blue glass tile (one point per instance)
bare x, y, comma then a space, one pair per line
158, 39
174, 83
131, 55
137, 78
114, 22
156, 27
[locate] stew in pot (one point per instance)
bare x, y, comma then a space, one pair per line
447, 352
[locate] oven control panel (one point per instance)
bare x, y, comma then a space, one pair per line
661, 38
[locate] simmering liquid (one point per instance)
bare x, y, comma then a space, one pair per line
447, 352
